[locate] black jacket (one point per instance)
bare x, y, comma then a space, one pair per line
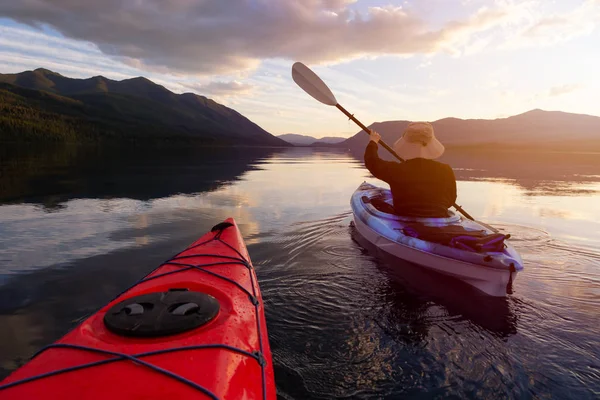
420, 187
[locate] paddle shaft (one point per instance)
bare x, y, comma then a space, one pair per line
357, 122
388, 148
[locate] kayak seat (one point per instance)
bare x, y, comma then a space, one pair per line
383, 204
380, 204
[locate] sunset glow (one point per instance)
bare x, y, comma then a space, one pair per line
384, 60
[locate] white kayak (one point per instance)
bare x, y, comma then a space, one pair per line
492, 272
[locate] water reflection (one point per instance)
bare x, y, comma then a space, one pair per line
53, 176
538, 173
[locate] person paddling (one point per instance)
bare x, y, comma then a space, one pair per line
421, 187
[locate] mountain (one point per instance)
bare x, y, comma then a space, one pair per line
42, 104
305, 140
330, 139
295, 139
537, 128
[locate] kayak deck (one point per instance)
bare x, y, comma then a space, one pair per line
226, 356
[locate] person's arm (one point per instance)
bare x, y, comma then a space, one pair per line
380, 169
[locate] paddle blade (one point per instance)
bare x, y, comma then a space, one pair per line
312, 84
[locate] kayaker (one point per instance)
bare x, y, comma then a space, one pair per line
420, 186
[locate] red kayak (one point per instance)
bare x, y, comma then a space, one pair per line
194, 328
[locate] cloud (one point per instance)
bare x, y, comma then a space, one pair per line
564, 89
223, 89
425, 63
23, 49
556, 91
557, 28
219, 37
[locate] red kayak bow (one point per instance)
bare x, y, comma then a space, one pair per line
194, 328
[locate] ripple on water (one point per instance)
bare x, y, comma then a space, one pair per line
525, 236
348, 322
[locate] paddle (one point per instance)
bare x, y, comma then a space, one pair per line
314, 86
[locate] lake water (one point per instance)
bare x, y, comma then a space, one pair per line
79, 225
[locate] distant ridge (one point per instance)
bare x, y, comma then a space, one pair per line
305, 140
45, 105
533, 129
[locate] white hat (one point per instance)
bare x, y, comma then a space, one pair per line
418, 141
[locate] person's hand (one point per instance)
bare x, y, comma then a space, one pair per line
374, 136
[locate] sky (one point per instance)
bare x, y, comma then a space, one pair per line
384, 60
